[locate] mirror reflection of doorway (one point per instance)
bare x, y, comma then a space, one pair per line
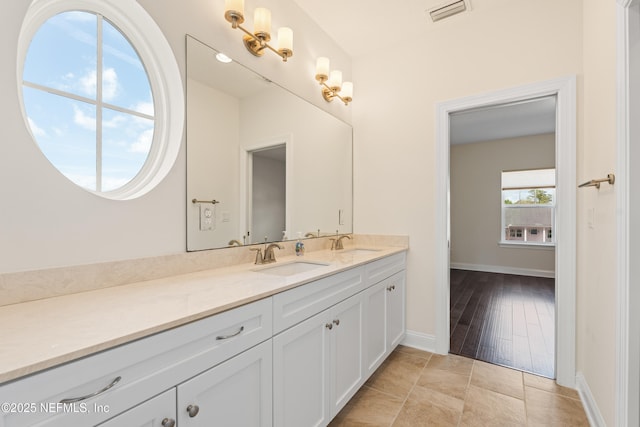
267, 193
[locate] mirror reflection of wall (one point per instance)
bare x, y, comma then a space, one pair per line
231, 114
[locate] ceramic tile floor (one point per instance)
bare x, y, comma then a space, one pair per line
417, 388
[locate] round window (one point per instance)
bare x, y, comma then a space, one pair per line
94, 98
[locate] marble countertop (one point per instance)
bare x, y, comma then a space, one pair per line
40, 334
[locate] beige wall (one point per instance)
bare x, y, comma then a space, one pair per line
500, 44
596, 256
476, 202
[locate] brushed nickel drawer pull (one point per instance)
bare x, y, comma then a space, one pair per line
329, 326
226, 337
168, 422
80, 399
336, 322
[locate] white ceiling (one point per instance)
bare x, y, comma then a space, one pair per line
531, 117
354, 24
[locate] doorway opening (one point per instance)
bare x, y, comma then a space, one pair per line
502, 206
564, 90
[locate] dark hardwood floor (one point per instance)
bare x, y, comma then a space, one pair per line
504, 319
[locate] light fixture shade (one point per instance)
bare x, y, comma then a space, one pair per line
347, 91
335, 80
285, 39
262, 22
234, 9
322, 68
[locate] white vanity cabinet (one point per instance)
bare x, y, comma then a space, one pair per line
94, 389
292, 359
343, 321
318, 365
236, 393
384, 319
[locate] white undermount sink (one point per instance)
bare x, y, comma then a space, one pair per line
290, 268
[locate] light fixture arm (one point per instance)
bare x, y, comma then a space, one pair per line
328, 94
255, 43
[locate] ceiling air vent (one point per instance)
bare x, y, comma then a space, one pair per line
447, 10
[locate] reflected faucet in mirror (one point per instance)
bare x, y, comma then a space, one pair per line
234, 242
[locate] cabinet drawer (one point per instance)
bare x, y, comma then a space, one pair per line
134, 372
298, 304
157, 412
383, 268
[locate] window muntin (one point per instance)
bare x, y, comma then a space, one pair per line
528, 206
91, 111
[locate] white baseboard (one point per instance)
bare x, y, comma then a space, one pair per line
503, 270
589, 403
420, 341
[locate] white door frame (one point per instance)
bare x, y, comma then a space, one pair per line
628, 296
246, 176
565, 91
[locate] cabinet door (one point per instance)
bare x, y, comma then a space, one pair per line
347, 354
234, 393
157, 412
375, 326
395, 310
301, 355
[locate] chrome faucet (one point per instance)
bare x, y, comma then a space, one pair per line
336, 244
269, 255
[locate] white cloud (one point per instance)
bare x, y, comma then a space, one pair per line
115, 122
144, 108
35, 129
143, 143
83, 120
88, 84
110, 84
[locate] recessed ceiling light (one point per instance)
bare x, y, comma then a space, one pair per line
223, 58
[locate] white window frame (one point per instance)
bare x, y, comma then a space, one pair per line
503, 242
162, 70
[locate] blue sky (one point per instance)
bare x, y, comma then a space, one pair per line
63, 56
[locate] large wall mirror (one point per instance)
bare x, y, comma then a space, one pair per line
262, 163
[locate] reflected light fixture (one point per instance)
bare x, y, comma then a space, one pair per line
331, 82
258, 41
223, 58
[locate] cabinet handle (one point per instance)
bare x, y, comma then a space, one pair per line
336, 321
329, 326
390, 288
168, 422
193, 410
226, 337
95, 393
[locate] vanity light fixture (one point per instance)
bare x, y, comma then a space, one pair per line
331, 82
257, 41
